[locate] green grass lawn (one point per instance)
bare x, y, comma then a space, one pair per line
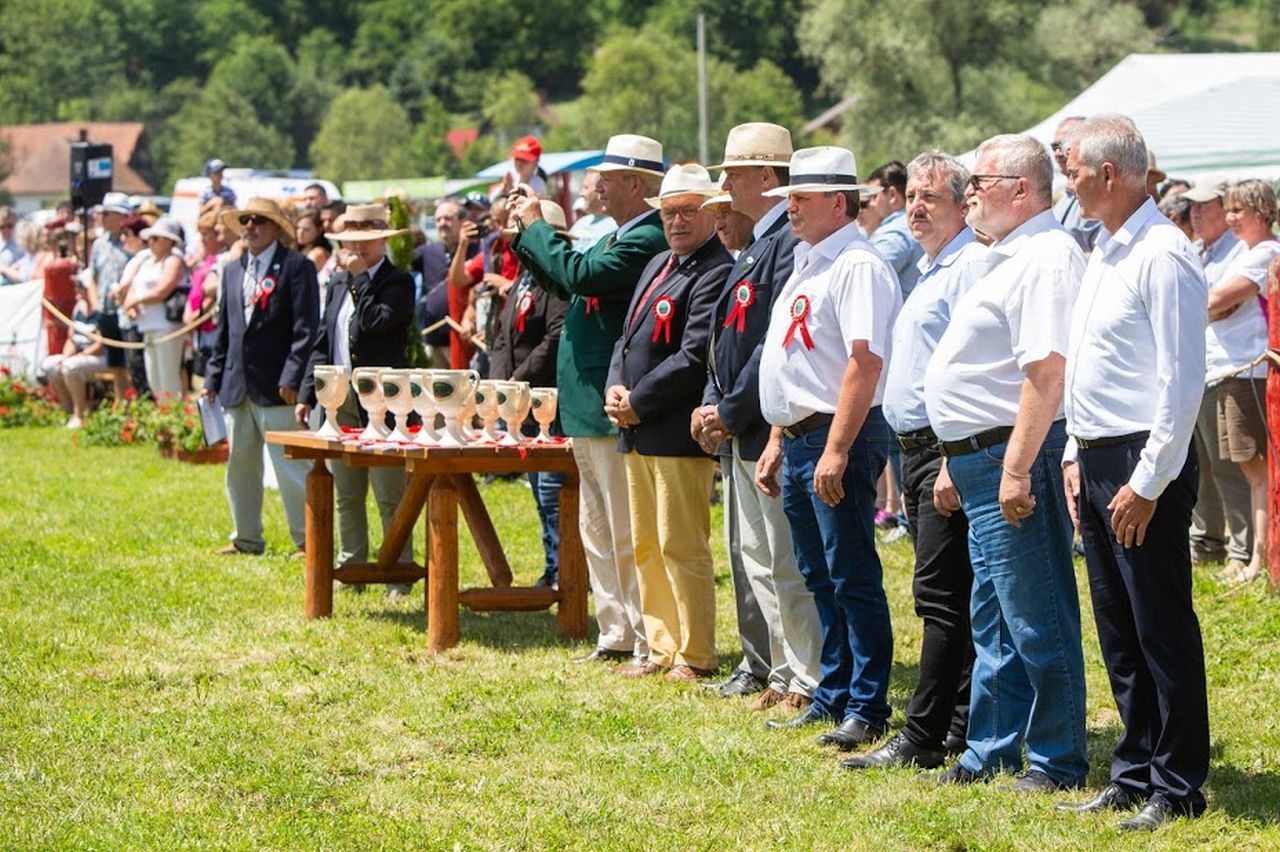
155, 695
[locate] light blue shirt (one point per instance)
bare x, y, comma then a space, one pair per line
1219, 255
894, 242
1083, 231
924, 317
766, 221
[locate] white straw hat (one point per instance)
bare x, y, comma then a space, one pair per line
627, 152
688, 179
823, 169
757, 143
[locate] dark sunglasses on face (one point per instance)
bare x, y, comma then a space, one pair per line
254, 219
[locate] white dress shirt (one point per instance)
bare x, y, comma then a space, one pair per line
346, 309
1014, 317
1236, 339
853, 295
256, 268
924, 317
1136, 361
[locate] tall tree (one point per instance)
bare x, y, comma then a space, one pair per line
221, 122
365, 135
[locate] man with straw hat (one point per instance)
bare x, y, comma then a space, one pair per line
598, 285
828, 336
368, 316
267, 324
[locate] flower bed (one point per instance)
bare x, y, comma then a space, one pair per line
25, 404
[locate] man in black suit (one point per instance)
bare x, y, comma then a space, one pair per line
777, 618
268, 319
368, 317
655, 381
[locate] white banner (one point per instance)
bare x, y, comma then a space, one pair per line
22, 337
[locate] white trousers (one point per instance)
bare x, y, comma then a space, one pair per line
163, 362
247, 423
605, 525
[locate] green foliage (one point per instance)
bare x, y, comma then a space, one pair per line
365, 135
123, 421
262, 73
430, 145
220, 121
510, 105
25, 404
174, 424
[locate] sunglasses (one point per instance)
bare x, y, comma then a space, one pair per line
975, 181
254, 219
1056, 147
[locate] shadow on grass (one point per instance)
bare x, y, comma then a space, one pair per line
1244, 795
508, 631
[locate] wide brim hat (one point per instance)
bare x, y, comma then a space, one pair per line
1152, 168
365, 222
687, 179
757, 143
165, 227
825, 168
627, 152
264, 207
721, 198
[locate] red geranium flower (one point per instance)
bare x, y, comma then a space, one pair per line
130, 394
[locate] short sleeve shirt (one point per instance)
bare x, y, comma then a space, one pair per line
1235, 340
107, 259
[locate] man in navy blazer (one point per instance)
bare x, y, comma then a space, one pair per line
655, 381
268, 319
777, 618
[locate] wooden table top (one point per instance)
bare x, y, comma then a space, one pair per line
478, 457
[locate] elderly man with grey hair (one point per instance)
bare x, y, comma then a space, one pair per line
954, 260
1135, 374
1067, 211
993, 393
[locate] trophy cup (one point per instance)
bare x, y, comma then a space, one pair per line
452, 391
395, 392
513, 405
333, 384
369, 392
487, 396
545, 401
419, 381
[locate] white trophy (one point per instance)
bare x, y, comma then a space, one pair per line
513, 405
453, 391
369, 392
545, 401
487, 395
419, 382
333, 385
395, 392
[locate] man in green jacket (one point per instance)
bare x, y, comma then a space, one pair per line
598, 284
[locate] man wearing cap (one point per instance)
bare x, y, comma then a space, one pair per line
821, 381
884, 218
778, 622
217, 195
1221, 528
1067, 210
368, 316
107, 260
655, 382
268, 320
938, 712
993, 393
598, 285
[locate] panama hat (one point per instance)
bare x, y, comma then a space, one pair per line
823, 169
757, 143
264, 207
165, 227
721, 198
688, 179
627, 152
364, 222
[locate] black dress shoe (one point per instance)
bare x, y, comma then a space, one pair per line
604, 655
898, 751
739, 685
1155, 813
955, 745
1112, 798
812, 716
1034, 781
851, 734
957, 774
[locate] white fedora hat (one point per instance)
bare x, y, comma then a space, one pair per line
757, 143
823, 169
627, 152
721, 197
688, 179
364, 222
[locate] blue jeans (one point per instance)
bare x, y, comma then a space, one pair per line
546, 493
835, 547
1028, 673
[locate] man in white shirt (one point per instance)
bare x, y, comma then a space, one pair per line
1135, 375
821, 382
993, 392
938, 713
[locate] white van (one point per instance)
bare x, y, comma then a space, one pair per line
283, 187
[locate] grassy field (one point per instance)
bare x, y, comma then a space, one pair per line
154, 695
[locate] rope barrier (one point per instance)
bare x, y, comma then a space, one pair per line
453, 324
129, 344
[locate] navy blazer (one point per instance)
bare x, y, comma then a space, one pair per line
666, 378
733, 375
271, 351
380, 322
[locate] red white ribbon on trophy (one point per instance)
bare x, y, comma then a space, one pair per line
592, 305
799, 313
744, 296
663, 309
523, 310
266, 287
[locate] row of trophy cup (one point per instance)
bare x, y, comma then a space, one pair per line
457, 395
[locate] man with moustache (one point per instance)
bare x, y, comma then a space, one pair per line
938, 712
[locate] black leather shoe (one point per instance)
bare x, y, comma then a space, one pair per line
1034, 781
604, 655
957, 774
851, 734
955, 745
740, 684
811, 716
898, 751
1155, 813
1112, 798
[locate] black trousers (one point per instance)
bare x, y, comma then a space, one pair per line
1148, 630
942, 587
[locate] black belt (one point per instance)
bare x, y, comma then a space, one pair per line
972, 444
813, 421
917, 440
1099, 443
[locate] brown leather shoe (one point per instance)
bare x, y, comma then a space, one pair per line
644, 669
688, 673
232, 550
767, 699
795, 701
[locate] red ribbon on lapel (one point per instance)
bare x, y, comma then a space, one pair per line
799, 311
266, 287
523, 310
592, 305
664, 308
744, 296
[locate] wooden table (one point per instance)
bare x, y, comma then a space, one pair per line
439, 479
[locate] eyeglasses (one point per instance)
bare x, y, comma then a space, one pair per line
254, 219
1056, 147
670, 214
975, 181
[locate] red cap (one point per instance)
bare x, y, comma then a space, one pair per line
526, 148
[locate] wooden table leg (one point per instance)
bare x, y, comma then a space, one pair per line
318, 599
407, 514
482, 531
442, 567
572, 610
